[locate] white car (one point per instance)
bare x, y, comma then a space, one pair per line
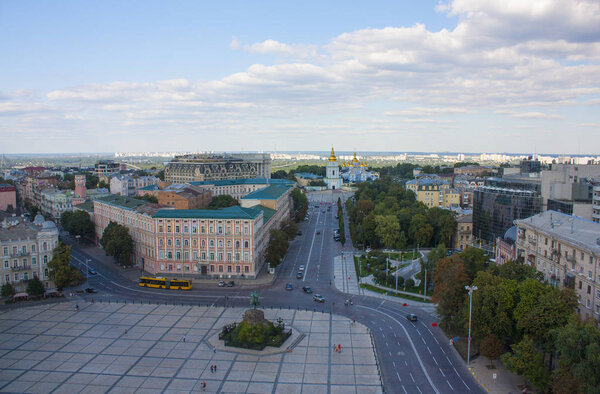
301, 268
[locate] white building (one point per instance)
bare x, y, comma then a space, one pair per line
332, 173
54, 202
125, 185
25, 250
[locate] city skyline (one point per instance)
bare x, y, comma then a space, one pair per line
457, 76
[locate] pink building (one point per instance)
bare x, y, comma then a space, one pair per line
8, 196
80, 190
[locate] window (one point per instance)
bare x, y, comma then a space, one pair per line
16, 277
26, 276
229, 243
195, 242
212, 268
5, 250
203, 256
185, 229
168, 228
220, 230
33, 248
237, 257
212, 243
220, 243
220, 268
160, 242
246, 230
203, 243
212, 257
160, 228
186, 255
178, 242
589, 291
44, 247
45, 259
587, 303
176, 229
45, 272
194, 229
220, 256
161, 254
228, 229
178, 255
6, 278
211, 229
33, 261
246, 256
169, 255
245, 244
203, 231
170, 267
237, 244
246, 269
228, 268
580, 285
237, 269
24, 249
228, 256
185, 242
169, 242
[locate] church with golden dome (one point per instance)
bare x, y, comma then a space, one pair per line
332, 173
357, 171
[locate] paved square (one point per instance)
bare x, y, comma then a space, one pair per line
126, 348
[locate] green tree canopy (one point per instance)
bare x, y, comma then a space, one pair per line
78, 223
222, 201
528, 362
7, 290
117, 242
35, 287
61, 271
449, 292
277, 247
300, 202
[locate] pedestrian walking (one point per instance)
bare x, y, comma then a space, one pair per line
340, 348
184, 338
203, 386
334, 347
211, 369
214, 349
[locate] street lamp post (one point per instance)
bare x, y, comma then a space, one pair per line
470, 289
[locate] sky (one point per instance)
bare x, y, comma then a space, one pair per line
512, 76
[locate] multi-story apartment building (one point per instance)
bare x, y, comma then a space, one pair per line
475, 170
596, 204
433, 192
506, 246
54, 202
205, 167
228, 242
106, 168
125, 185
25, 250
34, 186
569, 188
8, 196
566, 249
463, 236
495, 209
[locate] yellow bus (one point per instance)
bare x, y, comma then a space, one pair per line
164, 283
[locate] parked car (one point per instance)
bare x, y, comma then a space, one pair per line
411, 317
299, 275
230, 283
299, 232
91, 290
222, 284
318, 298
92, 271
307, 289
289, 287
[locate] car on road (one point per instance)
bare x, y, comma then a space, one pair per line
301, 268
222, 283
319, 298
299, 275
323, 211
289, 287
307, 289
336, 238
92, 271
230, 283
411, 317
299, 232
318, 232
316, 206
91, 290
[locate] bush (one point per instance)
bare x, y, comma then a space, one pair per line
410, 282
35, 287
8, 290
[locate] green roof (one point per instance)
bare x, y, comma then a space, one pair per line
272, 192
267, 212
149, 187
244, 181
86, 206
122, 201
235, 212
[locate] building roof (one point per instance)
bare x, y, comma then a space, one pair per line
272, 192
234, 212
468, 218
511, 235
426, 181
267, 212
571, 229
122, 201
243, 181
149, 187
85, 206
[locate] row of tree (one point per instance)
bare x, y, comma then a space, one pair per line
279, 241
385, 214
514, 312
341, 225
35, 288
78, 223
300, 203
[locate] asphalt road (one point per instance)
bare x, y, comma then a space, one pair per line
414, 357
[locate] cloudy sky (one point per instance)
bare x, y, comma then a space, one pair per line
462, 75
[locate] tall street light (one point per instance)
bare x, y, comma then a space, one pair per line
470, 289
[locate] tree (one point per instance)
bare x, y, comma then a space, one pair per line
434, 256
449, 292
222, 201
117, 242
290, 229
491, 347
420, 231
516, 270
91, 181
300, 202
61, 271
7, 290
78, 223
388, 230
277, 247
525, 360
148, 197
475, 260
410, 282
35, 287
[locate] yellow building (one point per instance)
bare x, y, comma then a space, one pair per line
429, 191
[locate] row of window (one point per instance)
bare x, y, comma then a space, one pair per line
211, 229
202, 256
220, 268
24, 262
211, 243
25, 276
23, 249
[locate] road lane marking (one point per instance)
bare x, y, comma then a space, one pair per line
429, 350
393, 362
405, 392
448, 360
411, 344
432, 356
419, 389
442, 349
398, 375
310, 252
423, 341
413, 379
442, 372
452, 388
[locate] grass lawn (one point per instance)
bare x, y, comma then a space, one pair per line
393, 293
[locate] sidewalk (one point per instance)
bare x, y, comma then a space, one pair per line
134, 273
506, 382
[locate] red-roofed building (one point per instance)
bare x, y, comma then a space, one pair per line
8, 196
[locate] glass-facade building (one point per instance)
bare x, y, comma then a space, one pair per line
496, 208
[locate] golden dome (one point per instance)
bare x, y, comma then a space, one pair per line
355, 160
332, 157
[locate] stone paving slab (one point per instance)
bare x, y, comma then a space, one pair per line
125, 348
